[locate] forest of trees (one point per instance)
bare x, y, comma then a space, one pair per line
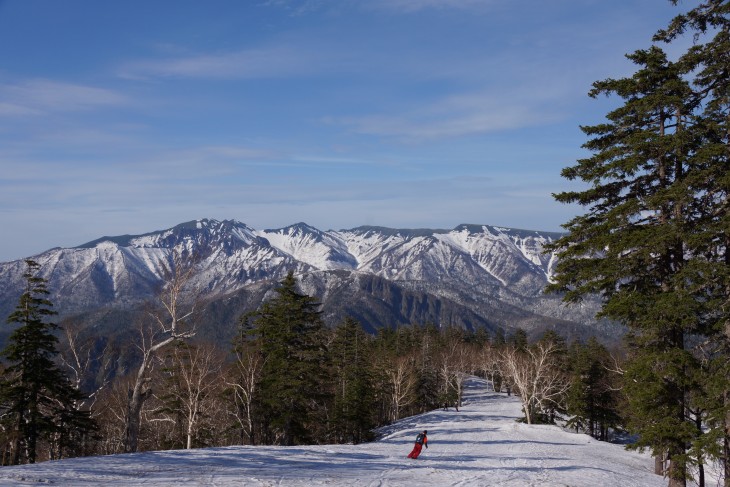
285, 379
653, 243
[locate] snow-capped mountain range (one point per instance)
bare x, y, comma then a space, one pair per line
472, 276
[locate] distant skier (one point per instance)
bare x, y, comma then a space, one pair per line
421, 441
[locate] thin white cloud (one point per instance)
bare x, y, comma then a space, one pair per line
301, 7
204, 163
332, 160
407, 6
38, 96
15, 109
459, 115
264, 62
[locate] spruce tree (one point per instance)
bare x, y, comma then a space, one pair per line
290, 334
37, 400
592, 400
708, 66
427, 381
354, 389
518, 339
631, 247
499, 338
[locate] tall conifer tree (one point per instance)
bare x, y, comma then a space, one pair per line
592, 400
290, 334
708, 66
354, 394
37, 400
632, 245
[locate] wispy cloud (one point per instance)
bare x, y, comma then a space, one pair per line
458, 115
330, 160
407, 6
300, 7
14, 109
262, 62
39, 96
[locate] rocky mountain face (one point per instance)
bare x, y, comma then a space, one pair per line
472, 276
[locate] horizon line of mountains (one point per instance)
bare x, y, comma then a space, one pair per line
473, 276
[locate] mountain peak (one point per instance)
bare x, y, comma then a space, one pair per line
296, 228
369, 230
472, 265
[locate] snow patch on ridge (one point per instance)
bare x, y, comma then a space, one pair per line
321, 250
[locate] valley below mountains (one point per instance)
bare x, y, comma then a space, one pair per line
471, 277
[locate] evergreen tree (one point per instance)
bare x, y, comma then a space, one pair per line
354, 395
289, 332
632, 245
480, 337
36, 399
519, 339
708, 65
427, 380
592, 400
499, 338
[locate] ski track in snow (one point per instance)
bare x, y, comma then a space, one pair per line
481, 445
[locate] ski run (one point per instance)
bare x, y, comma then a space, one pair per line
480, 445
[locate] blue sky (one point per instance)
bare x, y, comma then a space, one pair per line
132, 116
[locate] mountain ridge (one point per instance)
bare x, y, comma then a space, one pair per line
471, 276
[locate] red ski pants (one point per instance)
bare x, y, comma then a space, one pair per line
416, 451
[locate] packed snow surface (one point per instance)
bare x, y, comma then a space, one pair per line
480, 445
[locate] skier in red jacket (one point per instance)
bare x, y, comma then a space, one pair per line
421, 441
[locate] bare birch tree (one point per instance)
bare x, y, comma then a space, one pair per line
198, 371
78, 355
246, 375
110, 413
536, 376
165, 327
402, 381
488, 362
454, 366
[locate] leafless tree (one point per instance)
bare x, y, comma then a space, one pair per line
195, 371
455, 364
536, 376
110, 414
402, 381
163, 328
488, 362
246, 373
78, 354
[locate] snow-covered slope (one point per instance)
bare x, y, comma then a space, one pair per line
321, 250
496, 273
481, 445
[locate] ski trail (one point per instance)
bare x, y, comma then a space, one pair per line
481, 445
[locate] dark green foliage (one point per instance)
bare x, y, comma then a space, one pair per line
635, 233
427, 384
171, 405
354, 388
38, 403
479, 338
593, 399
708, 62
551, 336
654, 239
499, 338
518, 339
290, 335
